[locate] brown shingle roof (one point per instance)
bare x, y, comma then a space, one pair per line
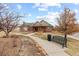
42, 23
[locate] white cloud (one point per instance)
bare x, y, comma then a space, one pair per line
76, 10
53, 13
29, 15
78, 21
26, 15
38, 17
50, 17
44, 6
76, 3
36, 5
42, 9
19, 6
53, 4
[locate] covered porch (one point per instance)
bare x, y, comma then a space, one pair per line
39, 28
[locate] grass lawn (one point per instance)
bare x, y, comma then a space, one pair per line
72, 45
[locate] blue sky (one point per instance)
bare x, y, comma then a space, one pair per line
34, 11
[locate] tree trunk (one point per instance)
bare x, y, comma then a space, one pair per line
65, 40
7, 34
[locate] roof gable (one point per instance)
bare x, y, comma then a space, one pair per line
42, 23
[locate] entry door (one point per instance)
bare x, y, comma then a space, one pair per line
36, 29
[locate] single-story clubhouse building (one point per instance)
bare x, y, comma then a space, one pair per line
37, 26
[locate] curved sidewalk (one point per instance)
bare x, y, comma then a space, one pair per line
51, 48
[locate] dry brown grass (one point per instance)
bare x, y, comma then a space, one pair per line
73, 47
9, 46
31, 48
41, 35
56, 32
2, 34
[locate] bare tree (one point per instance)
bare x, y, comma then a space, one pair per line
1, 8
8, 21
66, 22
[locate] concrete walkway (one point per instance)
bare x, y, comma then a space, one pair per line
51, 48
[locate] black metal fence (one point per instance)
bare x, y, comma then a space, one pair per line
57, 39
49, 37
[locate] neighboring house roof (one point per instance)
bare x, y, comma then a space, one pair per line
28, 24
42, 23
